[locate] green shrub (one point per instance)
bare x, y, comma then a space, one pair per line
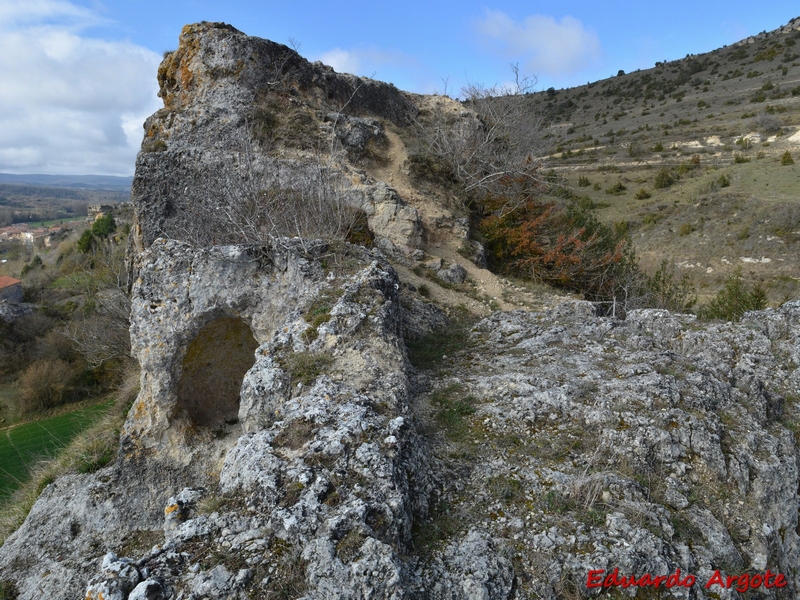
735, 299
739, 159
787, 159
36, 263
8, 590
305, 367
642, 194
685, 229
85, 242
617, 189
659, 147
583, 181
664, 179
104, 226
723, 180
665, 290
319, 312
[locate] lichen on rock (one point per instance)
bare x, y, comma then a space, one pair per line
283, 445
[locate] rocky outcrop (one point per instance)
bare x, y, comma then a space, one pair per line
646, 445
311, 485
245, 118
282, 445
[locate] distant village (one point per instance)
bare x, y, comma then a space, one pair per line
11, 293
46, 236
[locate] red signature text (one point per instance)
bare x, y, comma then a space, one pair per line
597, 578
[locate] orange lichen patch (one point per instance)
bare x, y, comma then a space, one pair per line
171, 509
139, 409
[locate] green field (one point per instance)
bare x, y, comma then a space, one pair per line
22, 446
51, 222
77, 282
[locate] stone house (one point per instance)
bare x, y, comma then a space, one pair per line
10, 289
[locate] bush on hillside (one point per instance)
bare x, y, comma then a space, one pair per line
735, 299
85, 242
35, 263
664, 289
104, 226
566, 246
787, 159
45, 384
664, 179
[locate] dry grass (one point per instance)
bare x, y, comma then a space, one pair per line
89, 451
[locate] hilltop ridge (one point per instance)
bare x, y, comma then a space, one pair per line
718, 124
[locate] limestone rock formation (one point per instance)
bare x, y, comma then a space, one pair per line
647, 445
318, 493
283, 445
245, 118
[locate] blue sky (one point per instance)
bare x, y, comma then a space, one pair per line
77, 77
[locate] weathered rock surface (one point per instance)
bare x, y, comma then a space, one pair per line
318, 495
282, 445
648, 445
243, 118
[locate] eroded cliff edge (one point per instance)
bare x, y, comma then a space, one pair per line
283, 446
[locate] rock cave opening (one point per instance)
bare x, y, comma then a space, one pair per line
214, 366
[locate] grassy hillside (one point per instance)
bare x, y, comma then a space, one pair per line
23, 446
714, 130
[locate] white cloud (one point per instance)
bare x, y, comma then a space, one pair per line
393, 66
544, 45
365, 61
21, 12
342, 61
69, 103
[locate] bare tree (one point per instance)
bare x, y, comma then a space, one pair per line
257, 199
501, 141
102, 334
252, 197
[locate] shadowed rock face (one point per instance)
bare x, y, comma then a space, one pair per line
212, 372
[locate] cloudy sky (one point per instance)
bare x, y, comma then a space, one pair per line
77, 77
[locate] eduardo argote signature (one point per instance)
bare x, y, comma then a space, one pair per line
741, 583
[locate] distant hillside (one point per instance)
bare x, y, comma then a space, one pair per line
29, 200
694, 158
88, 182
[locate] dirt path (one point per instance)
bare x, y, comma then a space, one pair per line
488, 291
